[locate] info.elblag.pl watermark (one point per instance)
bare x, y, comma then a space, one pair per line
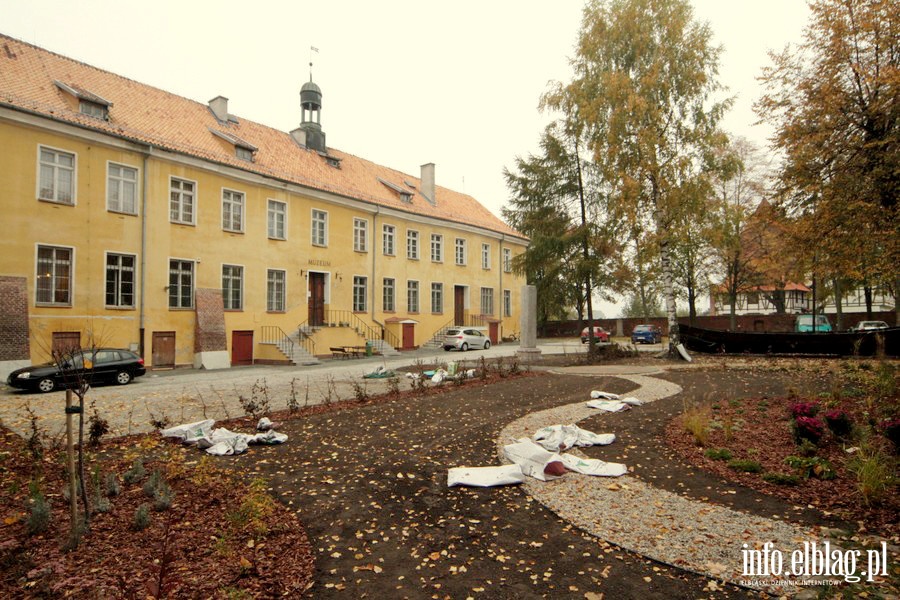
816, 560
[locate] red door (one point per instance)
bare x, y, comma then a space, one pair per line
241, 348
493, 330
459, 305
316, 299
409, 336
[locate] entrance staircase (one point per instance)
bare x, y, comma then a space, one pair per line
297, 347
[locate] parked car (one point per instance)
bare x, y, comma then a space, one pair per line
107, 365
869, 326
646, 334
600, 334
465, 339
804, 324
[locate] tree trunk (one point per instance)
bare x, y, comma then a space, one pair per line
897, 302
692, 305
84, 491
867, 289
732, 312
838, 304
666, 268
74, 525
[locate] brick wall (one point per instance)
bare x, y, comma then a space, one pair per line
14, 319
210, 325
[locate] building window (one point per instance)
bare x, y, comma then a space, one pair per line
232, 287
57, 176
319, 234
277, 220
437, 247
53, 279
387, 239
412, 296
243, 153
232, 211
412, 244
752, 298
437, 297
275, 290
120, 280
485, 256
121, 189
360, 286
507, 303
507, 260
388, 294
181, 201
360, 235
487, 301
93, 109
181, 284
460, 251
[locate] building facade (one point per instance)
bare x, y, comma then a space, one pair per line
138, 218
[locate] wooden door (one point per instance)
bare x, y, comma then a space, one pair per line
459, 305
163, 349
316, 299
241, 348
64, 342
493, 331
409, 336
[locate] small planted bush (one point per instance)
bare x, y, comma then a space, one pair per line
162, 497
718, 454
804, 409
875, 474
808, 428
811, 467
839, 423
696, 421
781, 478
136, 472
38, 512
141, 518
152, 483
747, 466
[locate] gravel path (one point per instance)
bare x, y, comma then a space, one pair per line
672, 529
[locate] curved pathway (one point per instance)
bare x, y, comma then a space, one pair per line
690, 534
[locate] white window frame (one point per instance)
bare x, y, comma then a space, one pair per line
318, 224
437, 248
233, 199
507, 260
118, 282
227, 290
193, 283
437, 293
272, 214
276, 299
507, 303
389, 239
460, 251
486, 256
412, 244
54, 195
392, 307
120, 183
53, 276
360, 234
487, 301
193, 195
360, 293
412, 295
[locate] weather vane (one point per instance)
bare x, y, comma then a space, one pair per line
311, 50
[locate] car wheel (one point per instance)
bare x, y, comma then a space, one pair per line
446, 349
123, 377
487, 344
464, 347
46, 385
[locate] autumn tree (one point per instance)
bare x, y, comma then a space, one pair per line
833, 100
645, 77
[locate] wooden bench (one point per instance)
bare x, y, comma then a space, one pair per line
339, 353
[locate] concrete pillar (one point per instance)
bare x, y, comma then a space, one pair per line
528, 351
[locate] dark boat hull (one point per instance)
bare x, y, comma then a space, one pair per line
849, 343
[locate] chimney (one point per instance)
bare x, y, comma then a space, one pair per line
219, 107
427, 187
299, 136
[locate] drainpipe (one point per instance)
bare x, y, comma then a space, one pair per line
143, 249
502, 297
374, 255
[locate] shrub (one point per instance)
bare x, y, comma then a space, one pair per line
112, 487
97, 428
162, 497
807, 449
811, 467
718, 454
891, 430
838, 422
39, 511
141, 518
808, 428
152, 483
696, 419
804, 409
781, 478
875, 474
136, 472
747, 466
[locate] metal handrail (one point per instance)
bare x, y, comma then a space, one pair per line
442, 330
305, 339
272, 334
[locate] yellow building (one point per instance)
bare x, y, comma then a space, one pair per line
137, 218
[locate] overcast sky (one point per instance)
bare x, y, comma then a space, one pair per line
403, 82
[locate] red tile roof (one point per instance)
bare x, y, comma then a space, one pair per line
148, 115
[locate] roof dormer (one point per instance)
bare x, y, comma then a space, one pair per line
405, 195
242, 149
89, 104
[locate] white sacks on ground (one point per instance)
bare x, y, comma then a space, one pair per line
221, 441
593, 466
608, 405
533, 459
190, 433
485, 476
632, 401
605, 395
562, 437
226, 443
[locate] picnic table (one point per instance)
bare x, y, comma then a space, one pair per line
347, 351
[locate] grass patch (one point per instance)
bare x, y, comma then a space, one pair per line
781, 478
747, 466
719, 454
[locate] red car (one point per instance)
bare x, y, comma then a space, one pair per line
600, 334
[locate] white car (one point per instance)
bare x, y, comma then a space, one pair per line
870, 326
465, 339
